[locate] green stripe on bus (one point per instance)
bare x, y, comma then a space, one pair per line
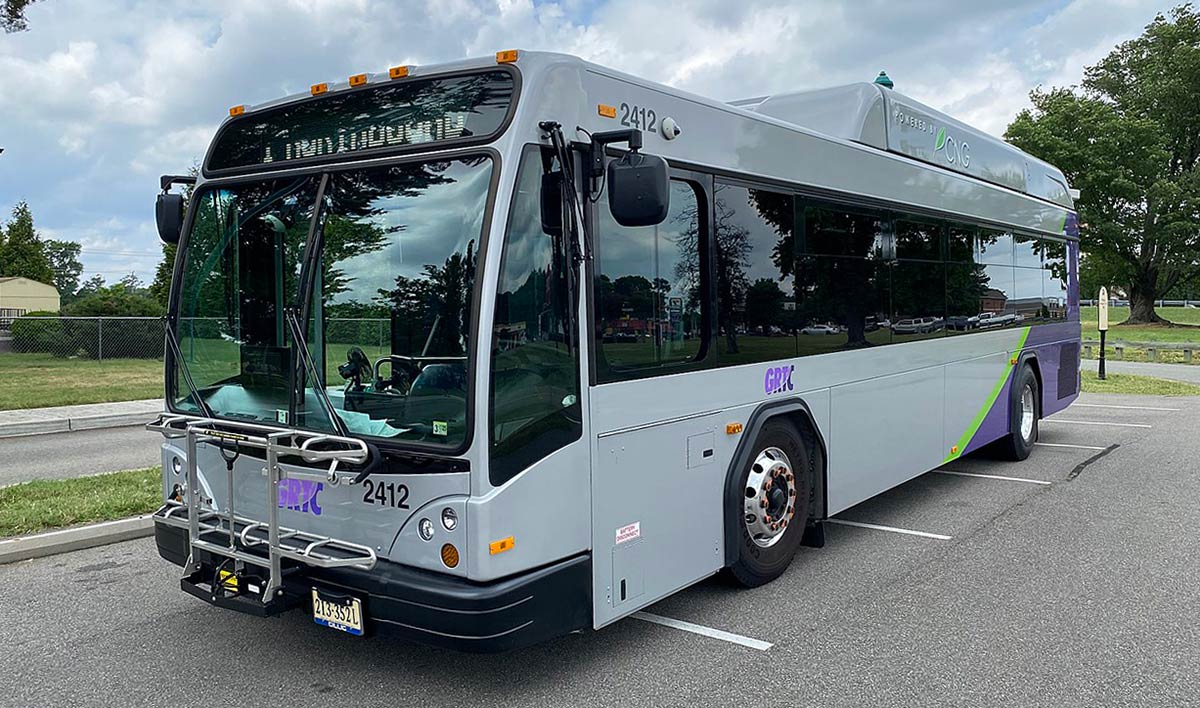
991, 399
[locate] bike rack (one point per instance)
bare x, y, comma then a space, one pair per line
241, 533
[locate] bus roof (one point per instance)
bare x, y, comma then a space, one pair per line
885, 119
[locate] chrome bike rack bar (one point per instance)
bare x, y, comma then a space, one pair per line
244, 535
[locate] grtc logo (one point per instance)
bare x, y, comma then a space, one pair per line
300, 495
778, 379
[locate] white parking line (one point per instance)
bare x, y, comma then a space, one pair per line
1073, 447
993, 476
1096, 422
893, 529
700, 629
1124, 408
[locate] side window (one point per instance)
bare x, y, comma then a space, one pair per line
1027, 303
994, 253
650, 290
755, 264
966, 280
1054, 279
535, 372
918, 282
843, 285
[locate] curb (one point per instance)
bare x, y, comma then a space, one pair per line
75, 539
66, 425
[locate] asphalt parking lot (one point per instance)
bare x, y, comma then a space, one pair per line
1058, 585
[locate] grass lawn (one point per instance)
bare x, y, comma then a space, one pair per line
1186, 329
39, 380
1147, 385
45, 504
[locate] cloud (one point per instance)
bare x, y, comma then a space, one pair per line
98, 99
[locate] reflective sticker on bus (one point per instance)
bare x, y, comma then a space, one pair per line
629, 532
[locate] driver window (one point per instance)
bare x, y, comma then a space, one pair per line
535, 406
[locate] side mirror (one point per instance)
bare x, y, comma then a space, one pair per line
639, 189
551, 203
168, 212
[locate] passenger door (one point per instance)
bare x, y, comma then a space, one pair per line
656, 487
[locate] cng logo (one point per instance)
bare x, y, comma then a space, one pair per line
778, 379
956, 152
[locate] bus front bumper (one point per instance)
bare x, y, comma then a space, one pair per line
435, 609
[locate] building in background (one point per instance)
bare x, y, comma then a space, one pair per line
19, 296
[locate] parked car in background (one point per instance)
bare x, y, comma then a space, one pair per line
821, 329
917, 325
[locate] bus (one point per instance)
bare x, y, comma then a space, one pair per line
492, 351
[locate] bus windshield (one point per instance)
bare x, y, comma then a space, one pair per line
389, 319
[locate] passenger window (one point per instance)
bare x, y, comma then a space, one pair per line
994, 247
917, 240
1027, 252
1054, 282
755, 264
843, 301
535, 373
649, 290
960, 244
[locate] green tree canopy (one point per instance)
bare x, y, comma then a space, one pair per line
64, 261
22, 254
1129, 140
12, 15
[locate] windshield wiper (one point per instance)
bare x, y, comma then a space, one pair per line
311, 369
177, 355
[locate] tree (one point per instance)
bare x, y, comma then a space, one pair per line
160, 288
23, 254
1129, 139
764, 305
12, 15
64, 261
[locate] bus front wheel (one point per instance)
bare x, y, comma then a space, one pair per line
772, 510
1022, 417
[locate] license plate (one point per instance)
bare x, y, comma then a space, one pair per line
339, 612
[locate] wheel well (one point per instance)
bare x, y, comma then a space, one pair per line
796, 412
1032, 360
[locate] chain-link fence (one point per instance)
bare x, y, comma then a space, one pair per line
88, 338
104, 338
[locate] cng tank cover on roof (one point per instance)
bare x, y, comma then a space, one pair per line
882, 118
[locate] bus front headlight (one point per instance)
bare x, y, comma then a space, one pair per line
449, 519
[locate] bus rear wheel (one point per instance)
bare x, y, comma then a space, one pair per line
773, 508
1022, 417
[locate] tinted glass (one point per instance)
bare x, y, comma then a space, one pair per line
918, 300
918, 240
240, 271
1027, 252
996, 308
649, 289
1054, 284
392, 115
1026, 302
960, 243
843, 302
535, 374
755, 263
994, 247
397, 292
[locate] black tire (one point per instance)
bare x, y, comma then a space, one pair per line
1016, 446
757, 564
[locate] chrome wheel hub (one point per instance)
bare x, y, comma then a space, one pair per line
1028, 410
770, 497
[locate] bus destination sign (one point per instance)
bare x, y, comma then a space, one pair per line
387, 116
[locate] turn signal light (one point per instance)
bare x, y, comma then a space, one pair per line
358, 79
733, 428
450, 555
318, 89
507, 56
504, 544
606, 111
954, 449
398, 72
236, 111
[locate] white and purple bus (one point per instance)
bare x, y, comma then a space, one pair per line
487, 352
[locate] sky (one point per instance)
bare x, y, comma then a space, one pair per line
97, 99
